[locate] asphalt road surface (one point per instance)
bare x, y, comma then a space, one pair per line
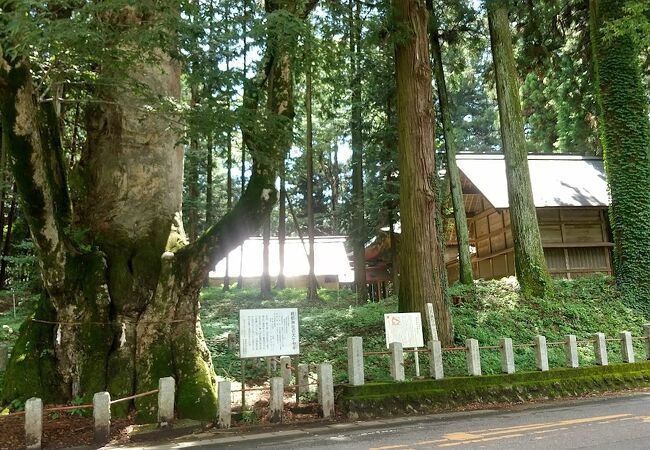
620, 423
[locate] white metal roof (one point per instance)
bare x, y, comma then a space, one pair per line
330, 258
557, 180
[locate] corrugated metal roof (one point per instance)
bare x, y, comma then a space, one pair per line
330, 258
557, 180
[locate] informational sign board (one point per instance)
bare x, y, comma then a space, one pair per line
405, 328
268, 332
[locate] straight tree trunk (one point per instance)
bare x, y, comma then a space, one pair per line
625, 134
312, 288
6, 247
193, 177
530, 264
421, 259
458, 203
282, 224
226, 279
265, 280
209, 181
358, 215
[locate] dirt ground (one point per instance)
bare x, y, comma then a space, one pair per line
63, 432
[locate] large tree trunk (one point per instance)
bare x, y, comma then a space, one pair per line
625, 132
530, 264
421, 259
457, 201
121, 303
358, 215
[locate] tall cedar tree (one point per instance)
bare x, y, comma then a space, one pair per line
421, 258
457, 201
312, 287
625, 133
358, 216
119, 277
530, 264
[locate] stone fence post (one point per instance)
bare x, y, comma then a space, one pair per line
397, 361
102, 417
473, 357
541, 353
166, 400
225, 406
627, 349
33, 423
507, 356
355, 361
571, 351
277, 399
436, 368
600, 349
326, 389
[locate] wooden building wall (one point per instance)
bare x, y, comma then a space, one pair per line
576, 242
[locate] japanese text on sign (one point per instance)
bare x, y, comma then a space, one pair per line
268, 332
405, 328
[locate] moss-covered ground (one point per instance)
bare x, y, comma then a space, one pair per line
487, 311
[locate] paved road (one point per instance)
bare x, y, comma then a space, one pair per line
618, 422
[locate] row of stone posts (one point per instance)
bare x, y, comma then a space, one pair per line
277, 385
505, 347
101, 414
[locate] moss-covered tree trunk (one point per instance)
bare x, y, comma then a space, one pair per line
530, 264
421, 258
121, 303
457, 201
625, 132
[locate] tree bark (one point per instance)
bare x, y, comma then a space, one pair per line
358, 215
282, 224
530, 264
421, 259
121, 302
458, 203
193, 176
312, 287
625, 132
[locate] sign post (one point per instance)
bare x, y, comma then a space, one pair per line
266, 332
405, 328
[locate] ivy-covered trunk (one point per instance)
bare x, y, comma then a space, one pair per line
530, 264
422, 269
625, 132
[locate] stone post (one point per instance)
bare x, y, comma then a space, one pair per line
285, 369
302, 381
627, 349
326, 389
276, 404
436, 369
507, 356
600, 349
431, 318
473, 357
166, 393
397, 361
541, 353
571, 351
355, 361
4, 357
646, 328
33, 423
102, 417
224, 399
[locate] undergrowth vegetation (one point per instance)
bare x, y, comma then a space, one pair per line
486, 311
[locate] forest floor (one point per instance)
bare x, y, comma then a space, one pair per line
486, 311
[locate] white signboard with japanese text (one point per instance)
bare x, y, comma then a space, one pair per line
405, 328
268, 332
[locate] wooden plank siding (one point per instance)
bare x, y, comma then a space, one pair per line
575, 239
